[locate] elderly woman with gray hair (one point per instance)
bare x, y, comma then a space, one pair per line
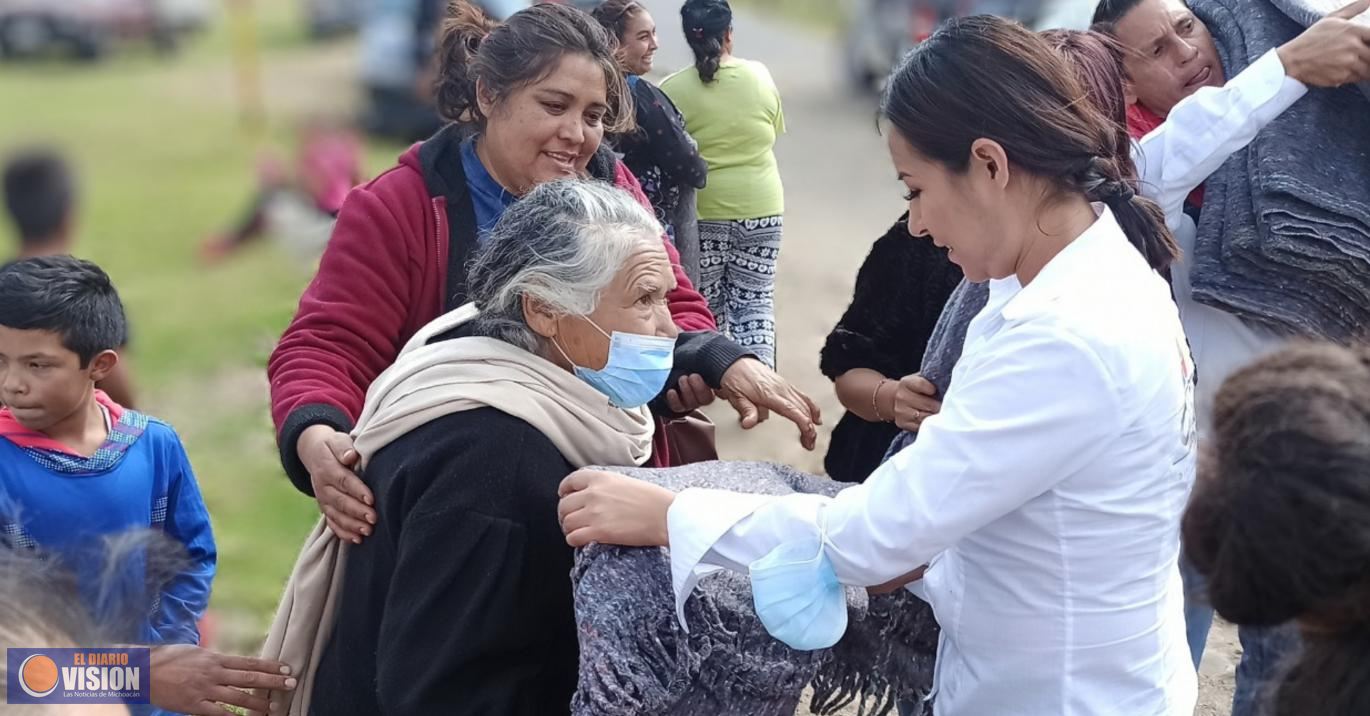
460, 603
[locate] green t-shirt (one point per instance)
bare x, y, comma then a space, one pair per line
735, 120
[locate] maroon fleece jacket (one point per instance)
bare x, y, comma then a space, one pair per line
383, 277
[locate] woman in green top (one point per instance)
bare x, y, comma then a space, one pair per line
732, 109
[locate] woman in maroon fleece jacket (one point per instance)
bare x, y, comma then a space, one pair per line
529, 102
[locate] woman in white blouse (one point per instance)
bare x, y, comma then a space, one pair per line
1044, 499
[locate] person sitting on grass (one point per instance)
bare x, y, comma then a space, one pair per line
297, 205
75, 466
40, 196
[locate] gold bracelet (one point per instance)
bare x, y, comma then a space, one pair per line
875, 402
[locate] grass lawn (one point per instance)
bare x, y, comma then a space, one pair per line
163, 161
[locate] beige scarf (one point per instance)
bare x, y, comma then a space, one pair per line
425, 383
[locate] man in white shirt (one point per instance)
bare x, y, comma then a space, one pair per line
1189, 132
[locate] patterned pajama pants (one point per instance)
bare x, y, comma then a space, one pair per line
737, 277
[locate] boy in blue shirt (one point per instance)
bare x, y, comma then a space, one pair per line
77, 468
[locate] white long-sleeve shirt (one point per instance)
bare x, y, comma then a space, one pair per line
1045, 498
1051, 531
1198, 135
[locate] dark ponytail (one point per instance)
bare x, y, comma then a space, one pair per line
1097, 62
706, 24
1104, 180
525, 48
987, 77
1280, 516
459, 41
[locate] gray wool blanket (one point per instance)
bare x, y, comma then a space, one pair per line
1284, 235
635, 658
945, 345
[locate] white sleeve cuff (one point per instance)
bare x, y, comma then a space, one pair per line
1269, 65
697, 519
917, 589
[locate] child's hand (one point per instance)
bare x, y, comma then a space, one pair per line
190, 680
343, 498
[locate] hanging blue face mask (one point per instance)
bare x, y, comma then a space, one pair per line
797, 595
637, 369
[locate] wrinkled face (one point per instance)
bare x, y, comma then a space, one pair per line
637, 48
546, 130
634, 302
960, 211
1170, 54
41, 382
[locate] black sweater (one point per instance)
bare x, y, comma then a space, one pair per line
659, 151
900, 292
460, 603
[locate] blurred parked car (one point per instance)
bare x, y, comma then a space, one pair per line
87, 29
329, 18
880, 32
396, 50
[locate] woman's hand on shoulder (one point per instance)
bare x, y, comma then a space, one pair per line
345, 501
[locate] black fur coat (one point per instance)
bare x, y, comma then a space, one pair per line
900, 292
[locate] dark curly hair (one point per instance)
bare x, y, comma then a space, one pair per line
1280, 516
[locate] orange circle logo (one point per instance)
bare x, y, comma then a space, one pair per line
38, 676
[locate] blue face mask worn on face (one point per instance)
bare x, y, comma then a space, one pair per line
637, 369
797, 595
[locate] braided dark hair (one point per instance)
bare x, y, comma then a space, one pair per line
1111, 180
706, 24
985, 76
